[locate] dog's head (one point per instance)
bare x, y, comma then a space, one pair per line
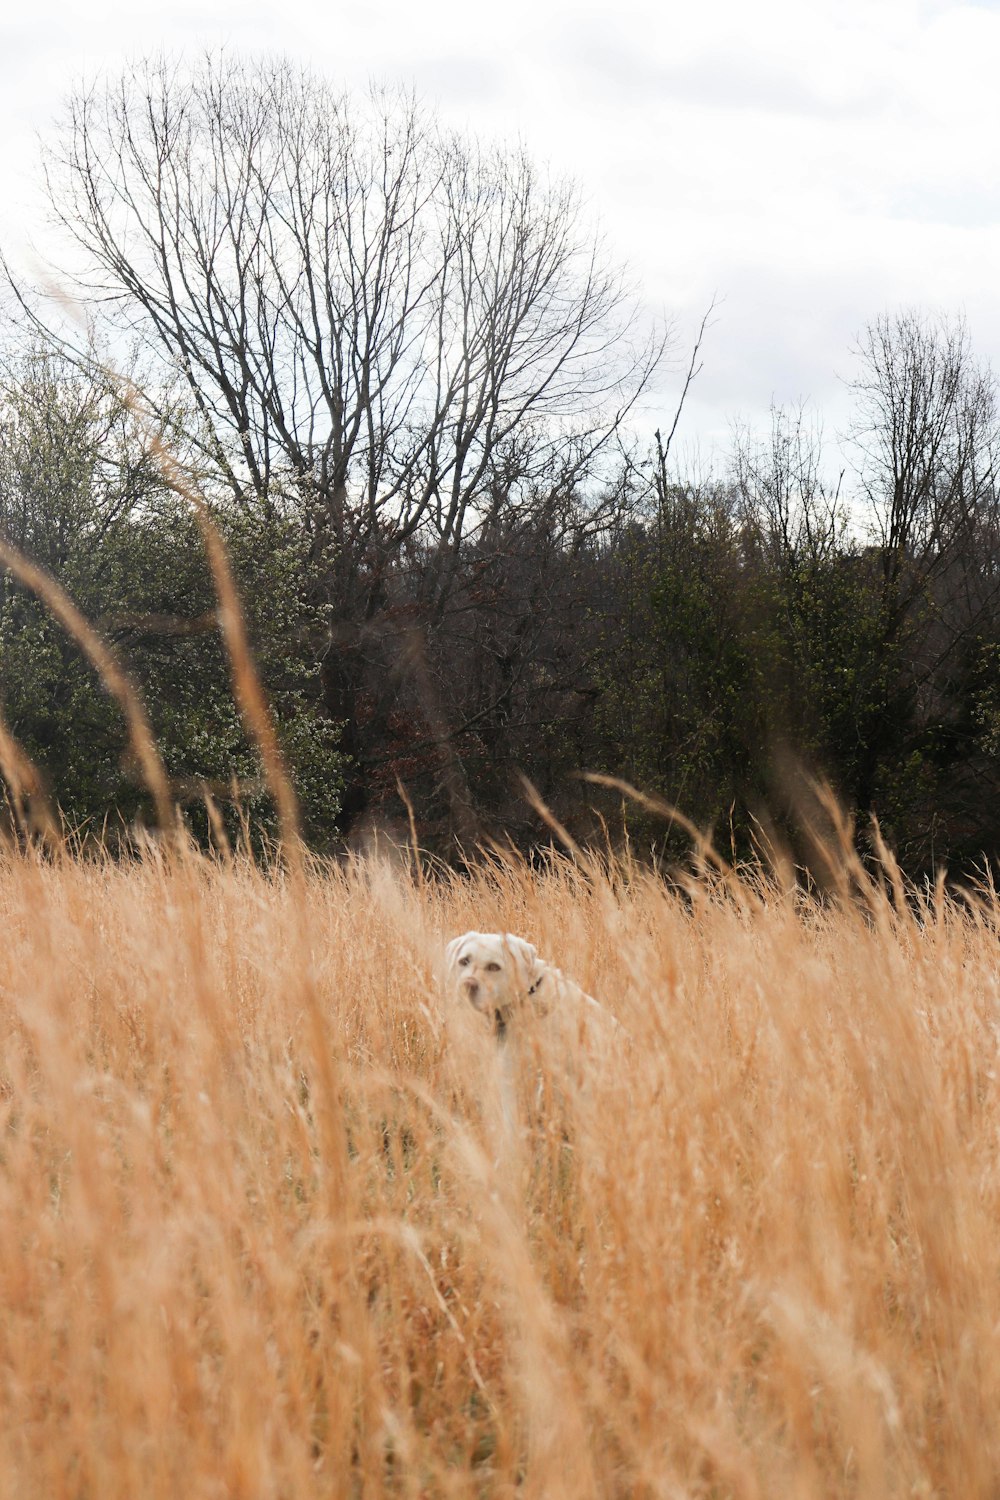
494, 972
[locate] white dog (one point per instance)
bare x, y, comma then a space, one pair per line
501, 975
549, 1033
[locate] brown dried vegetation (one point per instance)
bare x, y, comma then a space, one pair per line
256, 1240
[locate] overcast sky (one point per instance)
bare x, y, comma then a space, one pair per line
811, 162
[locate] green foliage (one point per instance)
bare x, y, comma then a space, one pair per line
81, 496
674, 703
729, 670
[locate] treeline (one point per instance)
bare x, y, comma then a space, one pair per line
403, 373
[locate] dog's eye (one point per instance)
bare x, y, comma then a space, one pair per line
493, 968
463, 961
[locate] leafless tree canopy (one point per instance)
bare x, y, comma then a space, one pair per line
397, 329
782, 500
926, 426
409, 345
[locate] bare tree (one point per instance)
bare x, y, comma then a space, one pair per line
926, 429
784, 502
395, 334
70, 466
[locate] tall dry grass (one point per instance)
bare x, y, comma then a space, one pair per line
256, 1240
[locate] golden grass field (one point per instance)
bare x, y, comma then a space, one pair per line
257, 1241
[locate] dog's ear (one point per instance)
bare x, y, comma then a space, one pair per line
452, 951
528, 967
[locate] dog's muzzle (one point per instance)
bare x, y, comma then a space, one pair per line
472, 993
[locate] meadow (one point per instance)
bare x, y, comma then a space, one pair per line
257, 1239
275, 1224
